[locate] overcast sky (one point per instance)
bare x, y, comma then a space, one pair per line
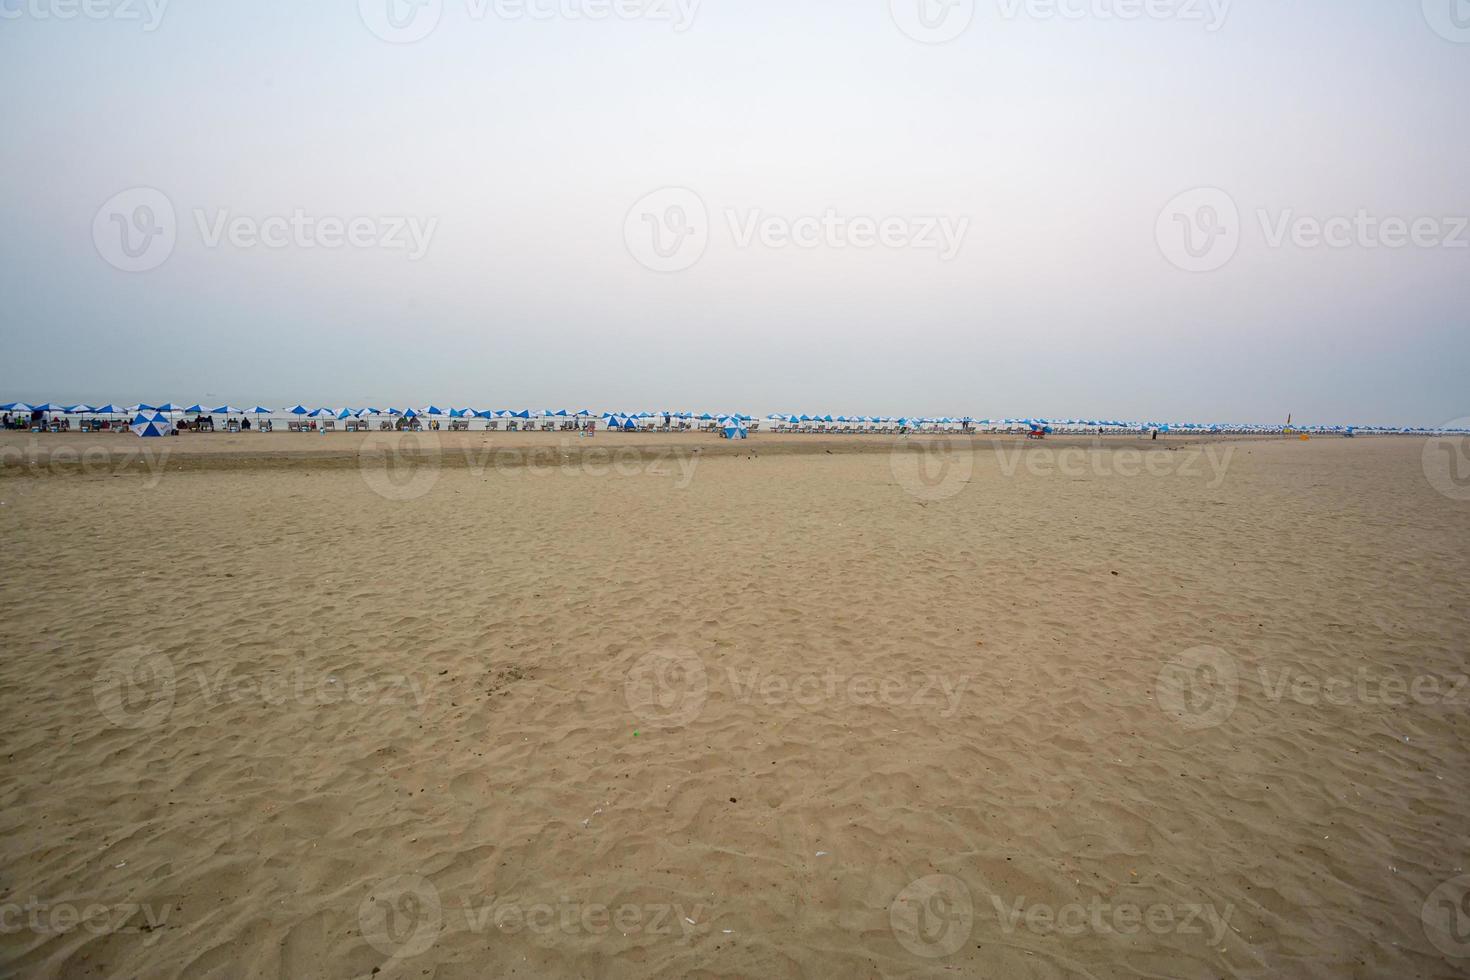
990, 207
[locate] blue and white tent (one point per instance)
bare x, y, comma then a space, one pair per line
148, 426
734, 428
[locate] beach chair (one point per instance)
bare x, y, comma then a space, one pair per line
492, 426
233, 427
293, 426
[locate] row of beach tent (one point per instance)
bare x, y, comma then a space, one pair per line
736, 425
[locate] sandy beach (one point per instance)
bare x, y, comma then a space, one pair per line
491, 705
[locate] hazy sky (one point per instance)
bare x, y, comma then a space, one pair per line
489, 172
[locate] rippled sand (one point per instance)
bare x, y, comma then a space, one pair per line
994, 711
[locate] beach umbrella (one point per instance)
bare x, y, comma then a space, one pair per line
108, 409
149, 426
47, 407
346, 413
226, 410
297, 410
193, 410
260, 410
15, 407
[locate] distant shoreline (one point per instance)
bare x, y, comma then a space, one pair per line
110, 453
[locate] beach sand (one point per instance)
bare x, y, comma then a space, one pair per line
784, 708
